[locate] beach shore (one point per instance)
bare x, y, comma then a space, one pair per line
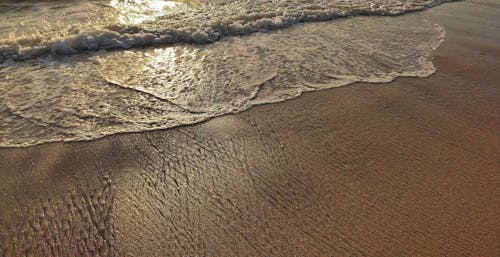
407, 168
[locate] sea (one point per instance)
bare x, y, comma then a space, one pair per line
73, 70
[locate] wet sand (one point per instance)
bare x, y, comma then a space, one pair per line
408, 168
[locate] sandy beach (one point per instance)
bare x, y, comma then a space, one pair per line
407, 168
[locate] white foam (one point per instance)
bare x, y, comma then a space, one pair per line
87, 96
206, 22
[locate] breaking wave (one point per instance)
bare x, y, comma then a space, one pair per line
70, 28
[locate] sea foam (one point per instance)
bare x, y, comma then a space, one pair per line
93, 94
72, 29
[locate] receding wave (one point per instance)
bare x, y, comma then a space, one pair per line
90, 95
130, 24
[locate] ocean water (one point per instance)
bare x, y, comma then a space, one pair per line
80, 70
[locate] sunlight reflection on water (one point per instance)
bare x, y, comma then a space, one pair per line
138, 11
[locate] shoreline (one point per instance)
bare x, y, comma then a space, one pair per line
421, 38
408, 167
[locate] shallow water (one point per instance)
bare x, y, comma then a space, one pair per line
90, 94
32, 28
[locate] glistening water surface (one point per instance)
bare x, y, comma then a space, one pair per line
85, 69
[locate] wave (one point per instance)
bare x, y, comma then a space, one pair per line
208, 23
91, 95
